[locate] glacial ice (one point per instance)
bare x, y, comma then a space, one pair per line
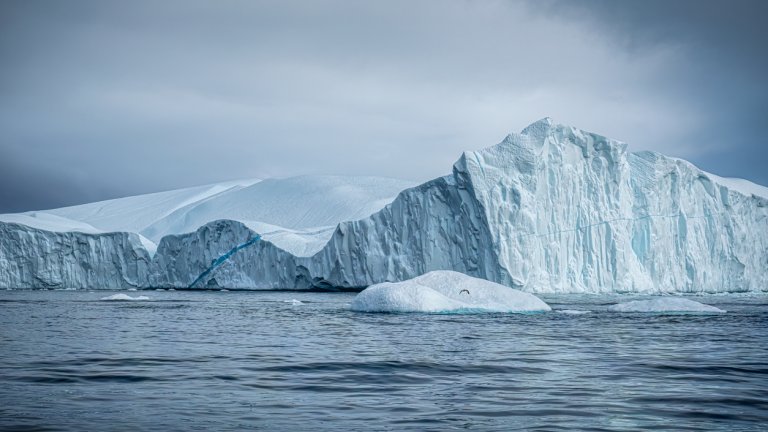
573, 311
445, 291
297, 213
124, 297
35, 258
665, 304
551, 209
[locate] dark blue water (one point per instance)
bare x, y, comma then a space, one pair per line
238, 360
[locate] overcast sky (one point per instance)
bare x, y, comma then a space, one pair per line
101, 99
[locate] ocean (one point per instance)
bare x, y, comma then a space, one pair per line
292, 361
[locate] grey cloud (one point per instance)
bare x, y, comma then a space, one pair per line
723, 48
145, 96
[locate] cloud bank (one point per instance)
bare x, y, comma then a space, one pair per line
104, 99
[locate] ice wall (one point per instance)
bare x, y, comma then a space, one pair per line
34, 258
552, 209
574, 211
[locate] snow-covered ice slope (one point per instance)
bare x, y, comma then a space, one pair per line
49, 222
136, 213
297, 213
552, 209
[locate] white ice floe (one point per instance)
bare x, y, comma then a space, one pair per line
445, 291
573, 311
294, 302
665, 304
124, 297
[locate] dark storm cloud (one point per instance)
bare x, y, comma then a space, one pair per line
724, 50
101, 99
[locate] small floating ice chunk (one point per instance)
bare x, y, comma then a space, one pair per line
224, 290
665, 304
123, 297
294, 302
445, 291
573, 311
131, 289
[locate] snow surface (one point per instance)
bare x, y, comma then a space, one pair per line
741, 185
297, 214
445, 291
665, 304
124, 297
136, 213
49, 222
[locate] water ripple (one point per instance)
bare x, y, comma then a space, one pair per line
202, 360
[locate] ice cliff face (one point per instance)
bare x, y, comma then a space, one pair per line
551, 209
574, 211
33, 258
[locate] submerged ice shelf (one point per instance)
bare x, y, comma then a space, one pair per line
665, 305
124, 297
551, 209
445, 291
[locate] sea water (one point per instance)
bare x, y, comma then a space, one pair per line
210, 360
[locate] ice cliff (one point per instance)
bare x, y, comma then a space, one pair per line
34, 258
552, 209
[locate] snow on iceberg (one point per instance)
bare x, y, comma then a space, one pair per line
445, 291
297, 214
124, 297
665, 304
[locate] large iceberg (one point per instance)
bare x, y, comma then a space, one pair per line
111, 244
445, 291
552, 209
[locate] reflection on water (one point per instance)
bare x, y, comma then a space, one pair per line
234, 360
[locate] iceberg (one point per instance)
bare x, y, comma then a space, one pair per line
111, 244
573, 311
37, 258
665, 304
296, 213
553, 209
445, 291
124, 297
